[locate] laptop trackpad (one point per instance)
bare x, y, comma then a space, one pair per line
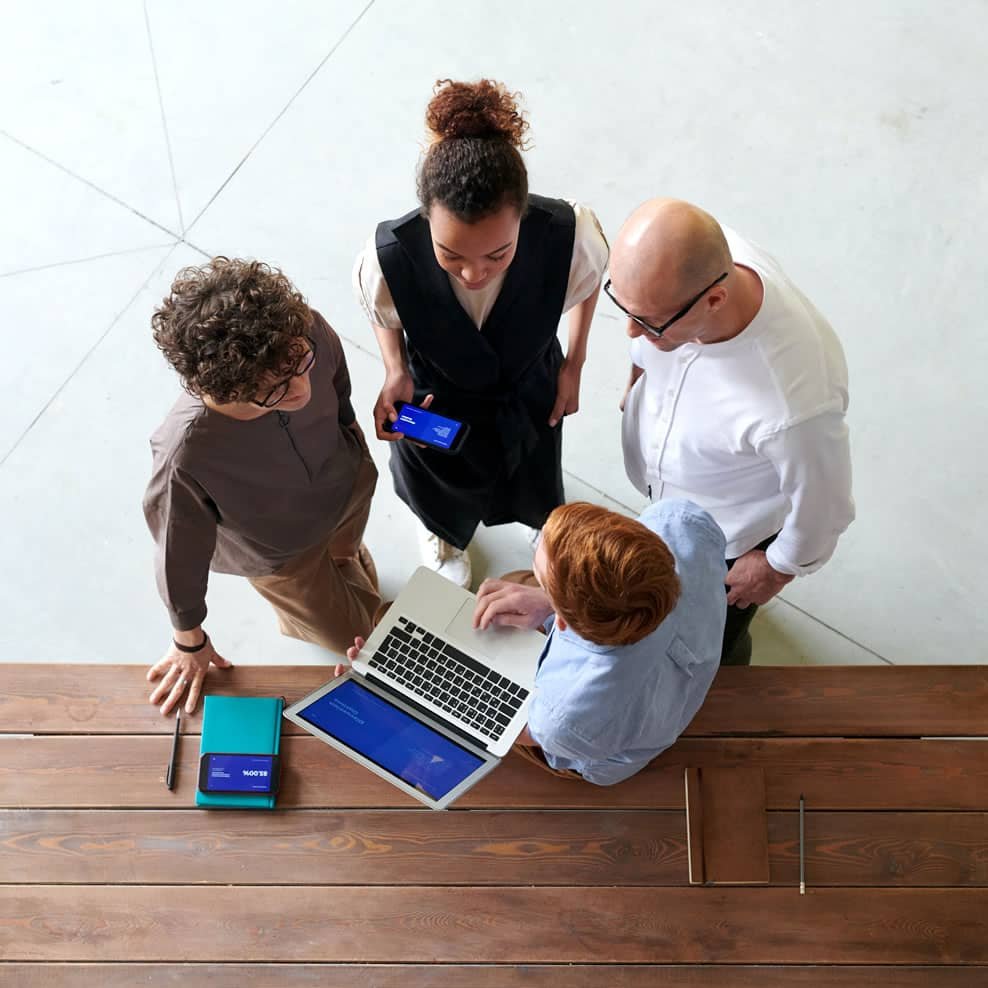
488, 642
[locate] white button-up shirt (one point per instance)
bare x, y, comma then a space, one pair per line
752, 429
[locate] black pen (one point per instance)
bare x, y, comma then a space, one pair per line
170, 773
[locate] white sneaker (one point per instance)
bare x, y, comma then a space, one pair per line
443, 558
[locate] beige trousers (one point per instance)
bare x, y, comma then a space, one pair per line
329, 594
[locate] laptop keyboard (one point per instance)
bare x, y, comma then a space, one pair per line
452, 680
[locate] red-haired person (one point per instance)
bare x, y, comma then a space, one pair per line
260, 468
634, 611
465, 294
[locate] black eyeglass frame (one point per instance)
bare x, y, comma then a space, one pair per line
657, 331
304, 365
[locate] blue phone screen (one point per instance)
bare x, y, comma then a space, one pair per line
427, 427
240, 773
392, 739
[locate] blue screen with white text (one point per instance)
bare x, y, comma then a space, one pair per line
240, 773
392, 739
428, 427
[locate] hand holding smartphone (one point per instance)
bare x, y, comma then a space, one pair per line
429, 428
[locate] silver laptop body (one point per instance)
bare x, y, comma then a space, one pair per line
426, 660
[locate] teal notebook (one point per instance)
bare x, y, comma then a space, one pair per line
246, 725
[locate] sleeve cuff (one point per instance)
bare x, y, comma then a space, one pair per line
189, 619
778, 562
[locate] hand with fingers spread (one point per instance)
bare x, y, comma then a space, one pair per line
181, 671
752, 580
505, 604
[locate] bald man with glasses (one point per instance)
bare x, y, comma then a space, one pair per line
736, 400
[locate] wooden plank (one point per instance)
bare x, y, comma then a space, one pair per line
821, 701
503, 925
632, 847
351, 848
881, 849
124, 975
846, 701
112, 772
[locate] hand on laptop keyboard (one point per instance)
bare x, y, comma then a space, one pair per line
502, 603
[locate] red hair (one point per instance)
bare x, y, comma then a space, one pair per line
611, 579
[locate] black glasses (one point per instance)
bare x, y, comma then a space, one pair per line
278, 392
657, 331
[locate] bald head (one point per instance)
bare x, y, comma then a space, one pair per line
670, 246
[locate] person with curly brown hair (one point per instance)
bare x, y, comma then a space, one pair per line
259, 469
465, 295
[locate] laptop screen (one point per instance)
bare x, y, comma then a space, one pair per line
392, 739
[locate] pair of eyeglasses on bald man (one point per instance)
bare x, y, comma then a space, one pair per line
278, 392
657, 331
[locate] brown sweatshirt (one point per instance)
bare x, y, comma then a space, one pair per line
246, 497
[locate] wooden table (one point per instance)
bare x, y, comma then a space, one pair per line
108, 879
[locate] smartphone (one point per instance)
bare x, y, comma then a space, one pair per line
228, 772
435, 431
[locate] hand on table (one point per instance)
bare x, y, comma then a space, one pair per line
179, 671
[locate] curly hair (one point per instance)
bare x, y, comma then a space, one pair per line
611, 579
474, 166
231, 326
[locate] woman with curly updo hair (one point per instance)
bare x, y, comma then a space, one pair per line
465, 294
259, 468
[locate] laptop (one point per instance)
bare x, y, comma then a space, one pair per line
430, 704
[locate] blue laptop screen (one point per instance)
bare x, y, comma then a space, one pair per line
392, 739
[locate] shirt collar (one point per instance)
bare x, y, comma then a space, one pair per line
569, 635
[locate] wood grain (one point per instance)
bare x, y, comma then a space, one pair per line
846, 701
882, 849
476, 848
61, 975
119, 772
358, 848
503, 925
821, 701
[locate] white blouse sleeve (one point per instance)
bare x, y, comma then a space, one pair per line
371, 290
590, 255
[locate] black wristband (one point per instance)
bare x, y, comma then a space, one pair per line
192, 648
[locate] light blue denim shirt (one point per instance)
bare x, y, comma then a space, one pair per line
606, 711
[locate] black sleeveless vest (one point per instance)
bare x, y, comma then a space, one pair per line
502, 379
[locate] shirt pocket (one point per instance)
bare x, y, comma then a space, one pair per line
682, 655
